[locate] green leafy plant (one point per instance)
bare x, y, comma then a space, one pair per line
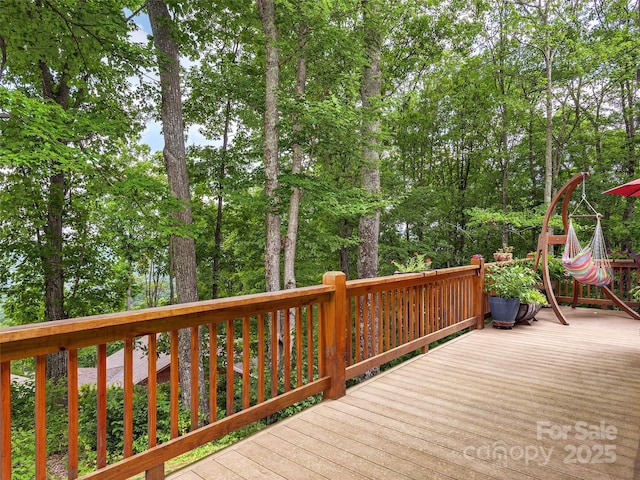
509, 280
531, 295
556, 269
418, 263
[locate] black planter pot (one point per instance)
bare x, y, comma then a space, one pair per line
527, 312
504, 311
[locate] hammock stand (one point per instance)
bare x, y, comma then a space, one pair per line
545, 240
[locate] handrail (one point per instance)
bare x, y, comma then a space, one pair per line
27, 340
314, 330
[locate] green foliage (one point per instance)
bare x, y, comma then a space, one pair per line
23, 425
509, 280
115, 415
556, 268
23, 451
531, 295
418, 263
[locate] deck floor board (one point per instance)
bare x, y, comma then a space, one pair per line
483, 406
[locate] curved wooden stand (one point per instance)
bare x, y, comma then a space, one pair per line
545, 239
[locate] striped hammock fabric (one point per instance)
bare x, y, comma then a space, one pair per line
590, 264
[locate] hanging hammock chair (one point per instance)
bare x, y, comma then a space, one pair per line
596, 255
589, 265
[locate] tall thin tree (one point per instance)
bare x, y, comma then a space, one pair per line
182, 244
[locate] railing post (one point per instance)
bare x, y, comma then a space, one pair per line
155, 473
334, 335
478, 291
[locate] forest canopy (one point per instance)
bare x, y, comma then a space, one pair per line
331, 135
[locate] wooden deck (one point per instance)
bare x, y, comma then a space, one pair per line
499, 404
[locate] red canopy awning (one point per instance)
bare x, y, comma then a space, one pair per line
629, 189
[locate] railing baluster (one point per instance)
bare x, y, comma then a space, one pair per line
195, 376
72, 409
246, 363
435, 308
102, 407
128, 397
359, 324
315, 309
5, 420
397, 316
174, 380
391, 300
351, 318
366, 320
446, 287
379, 321
286, 334
414, 311
386, 308
261, 357
41, 417
152, 398
310, 359
406, 311
427, 309
451, 312
230, 368
299, 351
274, 353
419, 329
213, 372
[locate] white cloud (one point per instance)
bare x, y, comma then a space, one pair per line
138, 35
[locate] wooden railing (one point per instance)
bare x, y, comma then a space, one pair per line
392, 316
323, 335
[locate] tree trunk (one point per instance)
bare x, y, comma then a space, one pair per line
291, 240
53, 272
270, 144
217, 236
52, 258
273, 242
182, 246
548, 153
369, 226
505, 159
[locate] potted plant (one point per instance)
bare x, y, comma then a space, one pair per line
505, 283
504, 254
531, 301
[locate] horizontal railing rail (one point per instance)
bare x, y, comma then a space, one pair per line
249, 357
